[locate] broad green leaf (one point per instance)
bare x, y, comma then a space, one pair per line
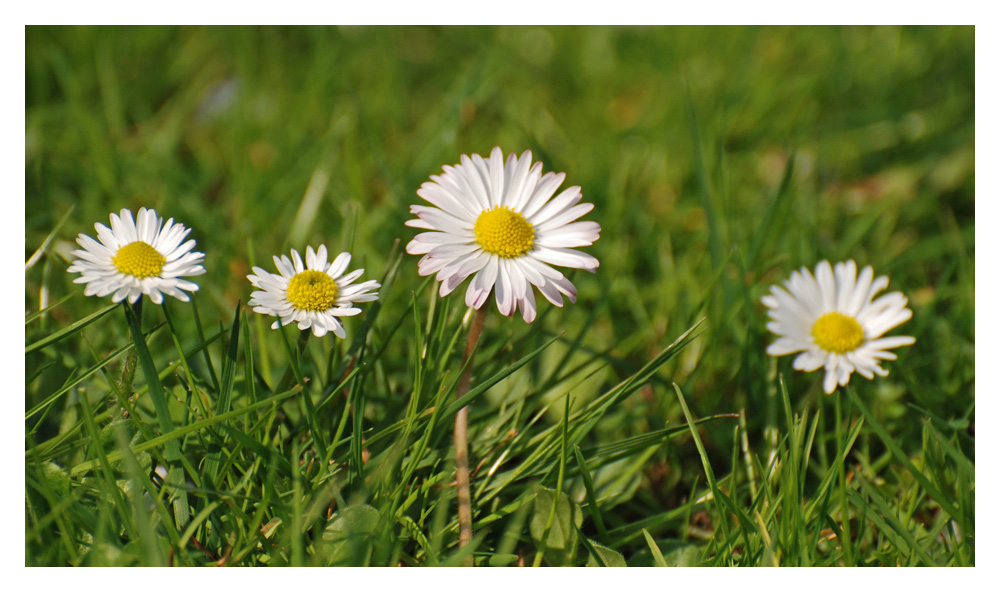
502, 560
602, 556
350, 533
560, 545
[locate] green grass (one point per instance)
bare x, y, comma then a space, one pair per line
643, 425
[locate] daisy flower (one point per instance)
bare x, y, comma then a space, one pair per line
136, 257
833, 320
313, 295
499, 223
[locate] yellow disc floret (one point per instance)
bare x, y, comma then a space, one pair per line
312, 290
504, 232
838, 333
139, 259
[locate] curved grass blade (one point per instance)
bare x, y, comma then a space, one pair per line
897, 452
48, 240
64, 333
189, 428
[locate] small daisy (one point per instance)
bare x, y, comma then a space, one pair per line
500, 223
136, 257
312, 295
833, 320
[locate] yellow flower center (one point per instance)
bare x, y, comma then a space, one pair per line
312, 290
139, 259
502, 231
838, 333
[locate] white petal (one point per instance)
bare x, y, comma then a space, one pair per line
504, 292
518, 282
784, 346
809, 361
544, 189
349, 277
471, 183
155, 296
108, 238
418, 223
454, 251
480, 174
878, 284
528, 307
285, 267
565, 217
124, 227
443, 221
297, 262
445, 194
830, 381
846, 276
861, 288
891, 342
449, 284
565, 258
827, 286
428, 265
425, 241
551, 293
577, 234
523, 182
482, 283
566, 287
496, 176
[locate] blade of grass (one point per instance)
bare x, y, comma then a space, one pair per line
80, 378
709, 473
72, 329
588, 484
48, 239
944, 501
190, 428
172, 447
224, 401
38, 314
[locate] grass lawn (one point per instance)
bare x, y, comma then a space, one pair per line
644, 425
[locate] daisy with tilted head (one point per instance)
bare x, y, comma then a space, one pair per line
144, 256
499, 223
834, 319
314, 295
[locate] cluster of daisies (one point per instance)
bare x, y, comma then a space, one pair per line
501, 223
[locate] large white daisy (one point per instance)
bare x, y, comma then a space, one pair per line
313, 295
499, 222
833, 319
136, 257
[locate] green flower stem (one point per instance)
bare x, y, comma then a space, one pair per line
125, 385
290, 376
462, 437
551, 519
845, 508
172, 448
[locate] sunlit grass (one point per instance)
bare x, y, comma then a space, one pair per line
643, 425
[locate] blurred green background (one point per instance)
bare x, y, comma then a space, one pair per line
719, 159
